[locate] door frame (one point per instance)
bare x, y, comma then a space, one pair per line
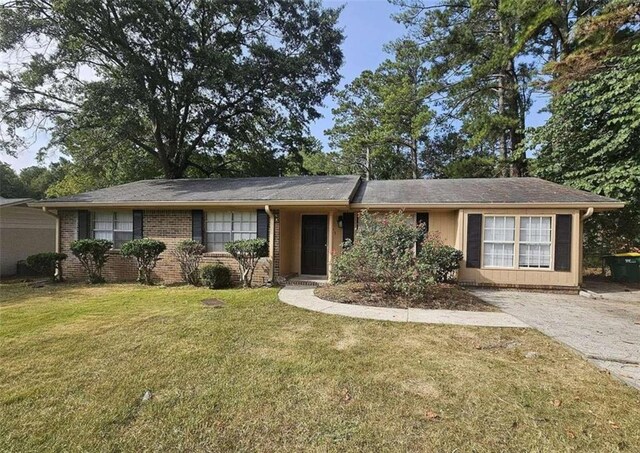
327, 238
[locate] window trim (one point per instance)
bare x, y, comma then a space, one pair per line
113, 223
514, 242
206, 231
551, 243
516, 249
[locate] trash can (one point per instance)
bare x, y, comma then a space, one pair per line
625, 267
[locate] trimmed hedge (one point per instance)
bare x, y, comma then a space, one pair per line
46, 264
216, 276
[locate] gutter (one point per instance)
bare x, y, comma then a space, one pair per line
272, 235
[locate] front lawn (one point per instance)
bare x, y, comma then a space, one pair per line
259, 375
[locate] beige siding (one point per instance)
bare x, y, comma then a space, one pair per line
523, 277
23, 232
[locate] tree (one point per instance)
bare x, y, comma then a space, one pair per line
247, 253
185, 82
146, 252
591, 142
11, 186
468, 47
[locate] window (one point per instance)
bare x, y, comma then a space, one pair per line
499, 241
223, 227
116, 227
535, 242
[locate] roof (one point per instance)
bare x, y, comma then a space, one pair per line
474, 191
337, 191
6, 202
325, 189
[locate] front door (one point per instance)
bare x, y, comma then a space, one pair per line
314, 245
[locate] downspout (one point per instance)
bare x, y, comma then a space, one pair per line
587, 214
57, 247
272, 235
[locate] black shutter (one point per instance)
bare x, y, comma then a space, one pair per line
137, 224
422, 218
263, 224
474, 240
563, 242
84, 224
348, 226
197, 225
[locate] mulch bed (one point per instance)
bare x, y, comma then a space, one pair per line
441, 297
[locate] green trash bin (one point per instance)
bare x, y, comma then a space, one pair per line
625, 267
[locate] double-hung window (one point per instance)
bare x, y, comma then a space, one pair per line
114, 226
223, 227
535, 242
499, 241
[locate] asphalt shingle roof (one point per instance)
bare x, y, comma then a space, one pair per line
475, 191
338, 189
298, 188
5, 202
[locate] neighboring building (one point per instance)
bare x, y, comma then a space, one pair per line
512, 231
24, 231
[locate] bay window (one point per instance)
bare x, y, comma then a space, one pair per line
114, 226
223, 227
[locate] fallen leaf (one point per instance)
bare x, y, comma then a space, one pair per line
432, 416
346, 396
571, 434
614, 425
557, 403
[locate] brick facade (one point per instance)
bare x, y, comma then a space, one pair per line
168, 226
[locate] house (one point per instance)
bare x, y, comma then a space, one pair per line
24, 231
519, 232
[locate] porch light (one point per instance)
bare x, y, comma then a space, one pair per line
339, 221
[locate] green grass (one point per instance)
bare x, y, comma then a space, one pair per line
258, 375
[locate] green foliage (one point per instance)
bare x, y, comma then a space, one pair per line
472, 167
10, 184
48, 264
146, 253
189, 254
442, 260
383, 256
591, 142
247, 253
93, 255
216, 276
191, 88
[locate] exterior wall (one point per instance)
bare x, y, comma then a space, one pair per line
523, 277
23, 232
169, 226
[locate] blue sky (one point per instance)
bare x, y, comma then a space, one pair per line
368, 26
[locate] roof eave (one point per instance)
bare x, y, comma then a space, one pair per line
185, 204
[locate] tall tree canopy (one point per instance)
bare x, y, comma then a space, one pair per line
191, 83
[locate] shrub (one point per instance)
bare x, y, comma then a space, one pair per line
247, 253
47, 264
146, 253
189, 254
92, 254
216, 276
382, 255
443, 260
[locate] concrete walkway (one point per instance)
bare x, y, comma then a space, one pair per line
606, 331
303, 297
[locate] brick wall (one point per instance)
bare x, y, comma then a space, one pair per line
168, 226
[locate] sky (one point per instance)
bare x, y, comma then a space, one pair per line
368, 26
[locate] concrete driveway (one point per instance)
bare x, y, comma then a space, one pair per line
605, 329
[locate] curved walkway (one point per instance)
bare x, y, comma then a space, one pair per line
303, 297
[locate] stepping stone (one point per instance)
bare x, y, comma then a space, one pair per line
213, 303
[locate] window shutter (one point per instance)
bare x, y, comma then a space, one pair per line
562, 260
474, 240
84, 224
422, 218
197, 225
263, 224
137, 224
348, 226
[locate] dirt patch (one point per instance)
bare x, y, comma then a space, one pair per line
441, 297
